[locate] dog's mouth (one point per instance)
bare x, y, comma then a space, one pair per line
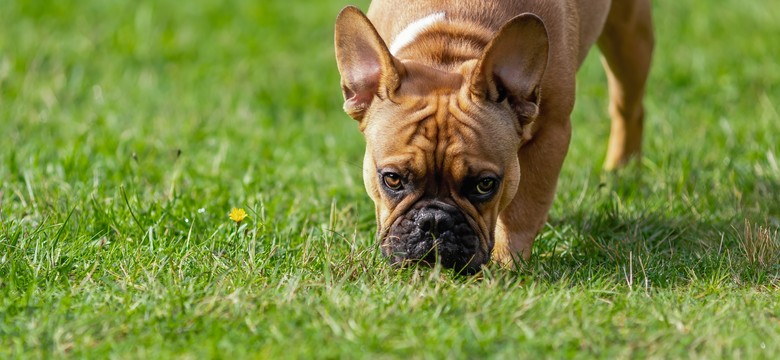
433, 233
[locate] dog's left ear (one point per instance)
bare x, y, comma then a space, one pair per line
366, 66
513, 64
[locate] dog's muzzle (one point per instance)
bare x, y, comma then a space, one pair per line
434, 231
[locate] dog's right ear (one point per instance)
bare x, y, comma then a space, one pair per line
513, 65
366, 66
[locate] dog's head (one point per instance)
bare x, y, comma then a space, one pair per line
441, 146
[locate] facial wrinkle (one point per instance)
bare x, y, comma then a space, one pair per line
442, 143
412, 133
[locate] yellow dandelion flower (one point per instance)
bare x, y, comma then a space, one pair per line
238, 215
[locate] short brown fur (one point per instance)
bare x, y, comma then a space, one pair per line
488, 91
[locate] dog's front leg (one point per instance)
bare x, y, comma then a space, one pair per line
540, 164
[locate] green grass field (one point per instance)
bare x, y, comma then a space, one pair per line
129, 129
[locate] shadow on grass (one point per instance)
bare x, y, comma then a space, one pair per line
641, 240
653, 249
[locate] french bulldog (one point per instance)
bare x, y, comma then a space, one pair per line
465, 108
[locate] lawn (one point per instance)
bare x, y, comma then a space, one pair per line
129, 129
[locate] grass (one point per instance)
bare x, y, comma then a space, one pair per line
129, 129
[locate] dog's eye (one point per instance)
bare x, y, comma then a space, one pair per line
486, 185
392, 181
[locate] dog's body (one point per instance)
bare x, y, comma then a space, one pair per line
458, 99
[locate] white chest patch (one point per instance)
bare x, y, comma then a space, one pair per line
408, 34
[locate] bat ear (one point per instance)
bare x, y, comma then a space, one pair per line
367, 69
512, 65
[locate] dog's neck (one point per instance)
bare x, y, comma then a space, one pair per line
440, 42
413, 30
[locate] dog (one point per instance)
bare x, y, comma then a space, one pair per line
465, 108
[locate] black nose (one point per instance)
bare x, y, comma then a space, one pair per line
433, 232
434, 220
